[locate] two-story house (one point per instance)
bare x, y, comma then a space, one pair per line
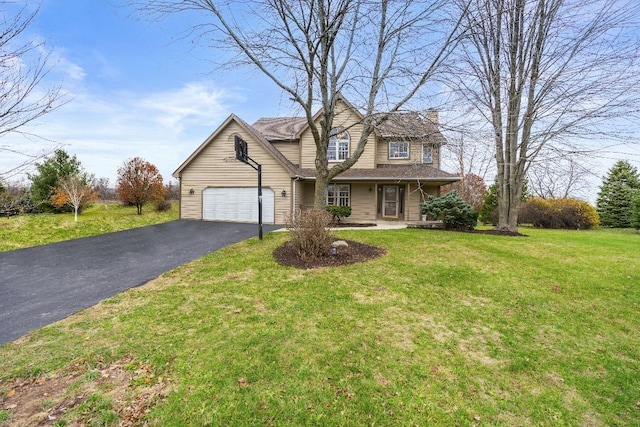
399, 166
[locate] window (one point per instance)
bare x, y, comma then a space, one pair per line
338, 149
399, 150
338, 195
427, 156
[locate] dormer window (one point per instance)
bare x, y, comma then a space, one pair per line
338, 148
399, 150
427, 153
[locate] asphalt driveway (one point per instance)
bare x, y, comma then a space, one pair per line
43, 284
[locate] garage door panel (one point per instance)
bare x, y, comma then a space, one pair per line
237, 204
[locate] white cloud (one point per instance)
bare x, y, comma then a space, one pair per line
70, 70
164, 127
192, 104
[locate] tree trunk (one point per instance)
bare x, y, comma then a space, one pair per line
509, 199
139, 206
75, 214
320, 195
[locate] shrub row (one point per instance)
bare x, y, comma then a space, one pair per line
558, 213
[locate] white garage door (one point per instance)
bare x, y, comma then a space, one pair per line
237, 204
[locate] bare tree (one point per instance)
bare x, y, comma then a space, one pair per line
558, 177
379, 54
24, 66
469, 153
75, 191
558, 72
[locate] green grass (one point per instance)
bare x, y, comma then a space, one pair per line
446, 329
32, 230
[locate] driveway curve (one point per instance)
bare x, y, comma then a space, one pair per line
43, 284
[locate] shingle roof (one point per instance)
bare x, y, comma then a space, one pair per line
267, 145
412, 125
397, 125
280, 128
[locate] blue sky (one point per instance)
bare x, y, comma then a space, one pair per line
136, 88
140, 88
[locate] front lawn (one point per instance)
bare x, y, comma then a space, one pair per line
32, 230
446, 329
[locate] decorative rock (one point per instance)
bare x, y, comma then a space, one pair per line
339, 244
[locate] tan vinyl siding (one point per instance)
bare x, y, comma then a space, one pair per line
308, 189
216, 166
414, 198
299, 194
291, 150
363, 203
415, 154
346, 119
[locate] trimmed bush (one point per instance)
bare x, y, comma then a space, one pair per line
451, 210
339, 212
310, 234
558, 213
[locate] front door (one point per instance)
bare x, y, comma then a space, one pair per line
390, 201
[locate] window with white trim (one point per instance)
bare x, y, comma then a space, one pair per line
399, 150
338, 148
338, 194
427, 153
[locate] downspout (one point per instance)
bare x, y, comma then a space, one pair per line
293, 198
180, 198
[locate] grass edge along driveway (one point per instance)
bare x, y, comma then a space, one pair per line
47, 283
447, 329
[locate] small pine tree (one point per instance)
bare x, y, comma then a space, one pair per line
488, 211
616, 194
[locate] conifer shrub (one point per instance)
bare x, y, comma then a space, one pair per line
558, 213
310, 233
451, 210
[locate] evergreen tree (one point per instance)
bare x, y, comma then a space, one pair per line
635, 211
616, 195
53, 169
488, 213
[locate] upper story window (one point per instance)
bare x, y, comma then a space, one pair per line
338, 149
427, 153
399, 150
338, 195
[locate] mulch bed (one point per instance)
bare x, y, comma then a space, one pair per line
355, 252
352, 225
